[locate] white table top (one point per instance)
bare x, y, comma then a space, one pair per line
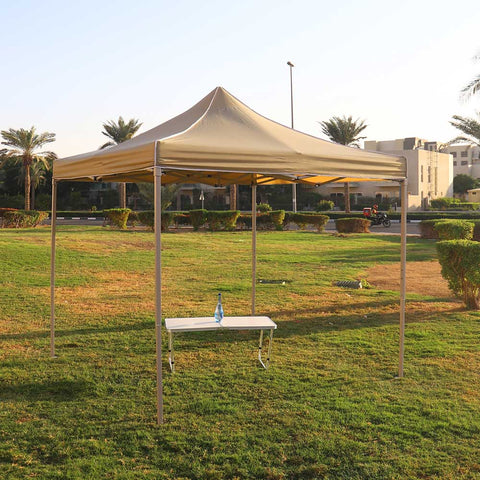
199, 324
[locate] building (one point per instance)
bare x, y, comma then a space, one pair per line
466, 159
430, 173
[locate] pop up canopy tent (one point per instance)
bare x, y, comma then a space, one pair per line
221, 141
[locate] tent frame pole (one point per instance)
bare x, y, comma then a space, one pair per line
403, 273
254, 244
157, 172
53, 225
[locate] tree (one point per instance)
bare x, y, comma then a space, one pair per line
470, 127
119, 132
346, 131
473, 87
37, 177
22, 146
463, 182
168, 193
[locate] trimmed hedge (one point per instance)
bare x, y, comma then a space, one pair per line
147, 218
454, 229
222, 219
444, 202
198, 218
460, 261
6, 209
304, 219
270, 220
264, 208
118, 217
352, 225
324, 206
427, 229
449, 229
23, 218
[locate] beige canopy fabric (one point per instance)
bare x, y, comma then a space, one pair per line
222, 141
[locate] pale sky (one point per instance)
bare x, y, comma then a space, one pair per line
67, 67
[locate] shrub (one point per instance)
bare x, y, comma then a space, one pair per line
23, 218
222, 220
444, 202
454, 229
132, 218
460, 261
198, 218
324, 205
270, 220
264, 207
5, 210
427, 229
304, 219
244, 221
147, 218
352, 225
117, 216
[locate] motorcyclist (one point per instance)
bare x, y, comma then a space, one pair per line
375, 210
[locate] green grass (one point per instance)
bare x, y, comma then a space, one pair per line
329, 406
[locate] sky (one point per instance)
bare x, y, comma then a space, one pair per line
68, 67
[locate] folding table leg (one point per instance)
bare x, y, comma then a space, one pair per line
269, 354
171, 359
260, 344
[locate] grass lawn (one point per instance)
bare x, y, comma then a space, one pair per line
328, 407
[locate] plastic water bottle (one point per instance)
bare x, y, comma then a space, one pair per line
219, 310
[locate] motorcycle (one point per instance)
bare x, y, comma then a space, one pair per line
380, 219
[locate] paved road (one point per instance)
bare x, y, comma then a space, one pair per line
412, 228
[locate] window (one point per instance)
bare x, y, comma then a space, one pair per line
453, 154
464, 153
421, 173
454, 163
429, 174
473, 193
464, 162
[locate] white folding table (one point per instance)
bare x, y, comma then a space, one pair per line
202, 324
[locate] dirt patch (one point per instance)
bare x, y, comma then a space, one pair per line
423, 278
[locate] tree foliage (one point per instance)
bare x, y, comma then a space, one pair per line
22, 147
463, 182
119, 131
344, 130
469, 127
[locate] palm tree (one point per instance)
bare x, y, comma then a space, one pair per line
470, 127
22, 147
119, 132
473, 87
346, 131
37, 177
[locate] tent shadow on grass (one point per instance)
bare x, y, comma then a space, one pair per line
144, 325
58, 390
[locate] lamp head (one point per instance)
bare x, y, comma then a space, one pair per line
290, 64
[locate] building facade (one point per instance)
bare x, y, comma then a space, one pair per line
429, 173
466, 159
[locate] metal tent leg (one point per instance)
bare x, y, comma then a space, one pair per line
52, 268
158, 289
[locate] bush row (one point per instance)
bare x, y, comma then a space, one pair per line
449, 229
216, 220
447, 203
22, 218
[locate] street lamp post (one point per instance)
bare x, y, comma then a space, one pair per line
202, 198
294, 186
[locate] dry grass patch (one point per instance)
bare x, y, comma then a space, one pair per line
423, 278
110, 293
